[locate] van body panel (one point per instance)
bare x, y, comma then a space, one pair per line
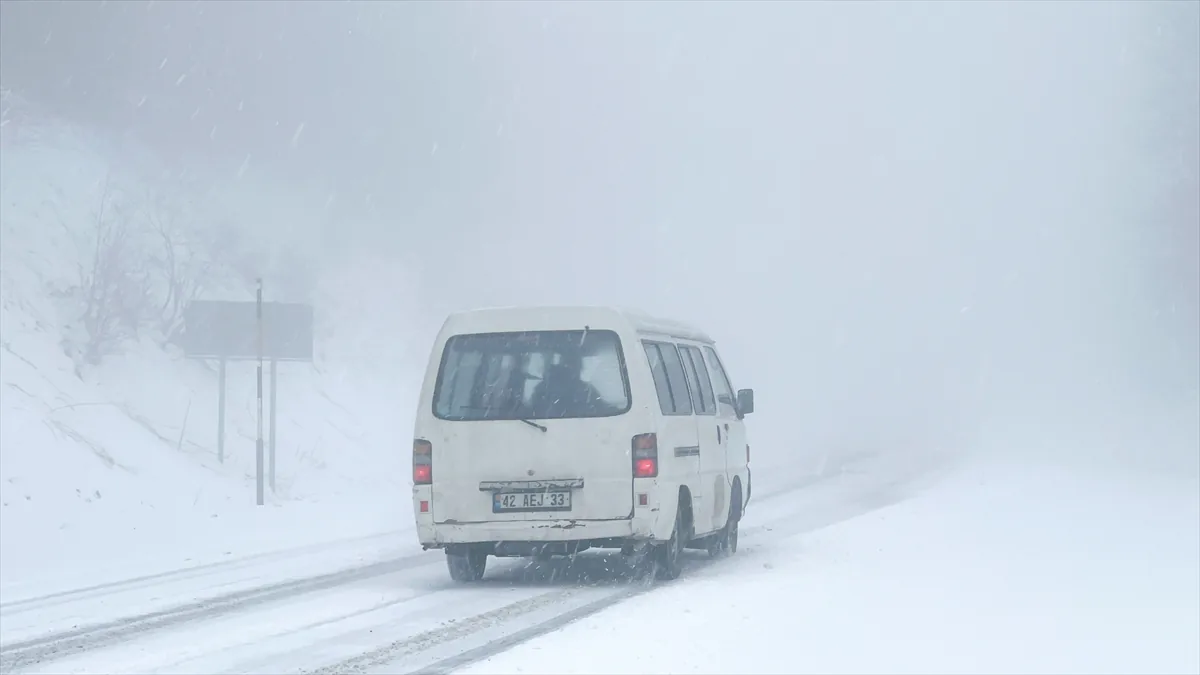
735, 450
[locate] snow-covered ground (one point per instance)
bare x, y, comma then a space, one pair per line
883, 564
115, 463
126, 546
380, 604
1004, 569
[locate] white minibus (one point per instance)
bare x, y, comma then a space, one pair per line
546, 431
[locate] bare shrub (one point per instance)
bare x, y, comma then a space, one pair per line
183, 265
143, 266
113, 285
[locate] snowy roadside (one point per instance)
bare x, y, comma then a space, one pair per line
123, 541
106, 548
1000, 569
110, 471
397, 614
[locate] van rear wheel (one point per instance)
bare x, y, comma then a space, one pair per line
731, 537
725, 542
669, 556
466, 566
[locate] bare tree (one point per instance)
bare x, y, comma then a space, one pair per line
115, 291
185, 265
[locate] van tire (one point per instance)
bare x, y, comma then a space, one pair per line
468, 566
725, 542
668, 558
640, 560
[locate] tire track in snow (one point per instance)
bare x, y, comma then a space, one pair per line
397, 658
459, 630
86, 638
578, 587
854, 490
15, 653
470, 656
842, 497
21, 605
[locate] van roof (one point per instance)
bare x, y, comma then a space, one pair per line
641, 322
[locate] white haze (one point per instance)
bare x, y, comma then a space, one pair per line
909, 225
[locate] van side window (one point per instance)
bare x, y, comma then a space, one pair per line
661, 384
669, 379
693, 364
724, 388
679, 387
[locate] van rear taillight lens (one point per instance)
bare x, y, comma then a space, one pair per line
645, 468
422, 474
422, 462
645, 456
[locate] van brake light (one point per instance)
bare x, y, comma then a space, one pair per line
422, 462
645, 456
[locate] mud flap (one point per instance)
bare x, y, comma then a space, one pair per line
639, 561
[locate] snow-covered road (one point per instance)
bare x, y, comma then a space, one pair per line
360, 607
930, 568
1000, 569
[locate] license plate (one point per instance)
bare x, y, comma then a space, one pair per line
559, 500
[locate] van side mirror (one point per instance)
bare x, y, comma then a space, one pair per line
745, 401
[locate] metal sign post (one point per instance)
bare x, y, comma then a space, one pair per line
221, 412
258, 439
250, 331
271, 447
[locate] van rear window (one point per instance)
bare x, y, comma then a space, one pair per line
532, 375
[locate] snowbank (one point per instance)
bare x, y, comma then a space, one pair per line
1003, 570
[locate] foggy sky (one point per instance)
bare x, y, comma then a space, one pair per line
905, 223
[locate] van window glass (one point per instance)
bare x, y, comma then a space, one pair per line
724, 389
661, 384
532, 375
676, 378
693, 363
689, 373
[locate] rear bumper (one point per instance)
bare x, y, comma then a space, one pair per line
652, 519
436, 535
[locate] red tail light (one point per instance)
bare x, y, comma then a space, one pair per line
645, 456
422, 462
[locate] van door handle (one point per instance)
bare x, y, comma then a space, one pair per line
718, 434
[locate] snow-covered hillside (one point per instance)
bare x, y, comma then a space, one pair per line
114, 458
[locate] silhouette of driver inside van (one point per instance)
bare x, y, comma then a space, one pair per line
563, 393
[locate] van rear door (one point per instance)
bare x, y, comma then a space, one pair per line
504, 471
528, 428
